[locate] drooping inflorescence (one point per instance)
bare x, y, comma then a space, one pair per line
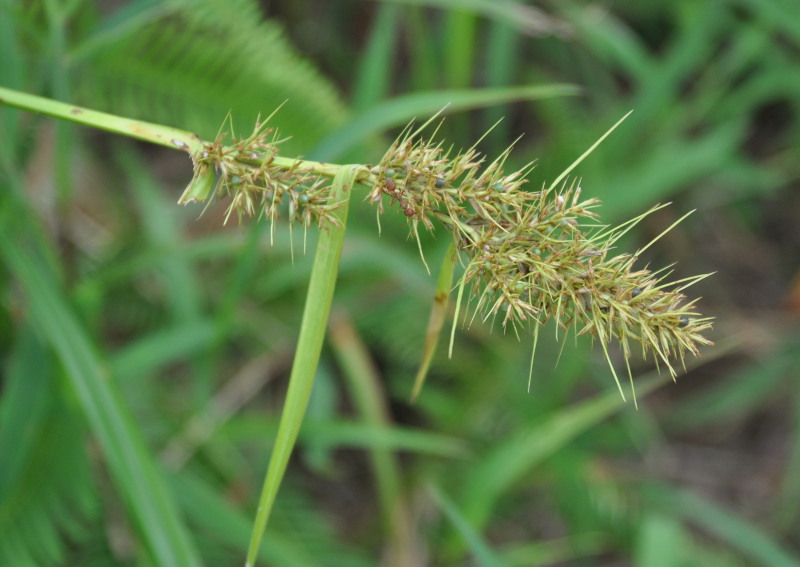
528, 256
533, 256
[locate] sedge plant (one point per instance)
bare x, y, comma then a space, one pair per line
524, 255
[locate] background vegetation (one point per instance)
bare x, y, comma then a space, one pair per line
106, 281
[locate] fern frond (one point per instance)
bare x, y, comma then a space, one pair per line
205, 59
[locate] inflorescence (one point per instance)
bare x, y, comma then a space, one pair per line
258, 182
528, 256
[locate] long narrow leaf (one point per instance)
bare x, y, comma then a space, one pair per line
46, 486
132, 467
482, 553
736, 532
309, 345
400, 110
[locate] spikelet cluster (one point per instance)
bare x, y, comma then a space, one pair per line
533, 256
528, 256
246, 171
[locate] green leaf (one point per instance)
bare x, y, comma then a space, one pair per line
46, 488
193, 62
154, 351
309, 345
400, 110
525, 18
662, 542
516, 456
736, 532
215, 516
131, 464
480, 550
376, 65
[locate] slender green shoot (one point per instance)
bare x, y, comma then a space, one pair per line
309, 345
437, 318
145, 131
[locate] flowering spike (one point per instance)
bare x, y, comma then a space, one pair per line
527, 256
534, 256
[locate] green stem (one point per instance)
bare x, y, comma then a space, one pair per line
155, 133
146, 131
437, 318
309, 345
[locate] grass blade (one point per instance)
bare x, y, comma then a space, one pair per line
482, 553
735, 531
309, 345
400, 110
527, 19
47, 492
375, 67
132, 467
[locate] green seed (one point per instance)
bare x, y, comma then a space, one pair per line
390, 172
303, 199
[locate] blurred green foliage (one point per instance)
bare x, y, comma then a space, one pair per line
145, 351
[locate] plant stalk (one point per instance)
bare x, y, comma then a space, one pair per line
309, 345
146, 131
437, 317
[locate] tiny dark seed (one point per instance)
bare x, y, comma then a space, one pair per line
390, 184
683, 321
636, 292
439, 182
409, 212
